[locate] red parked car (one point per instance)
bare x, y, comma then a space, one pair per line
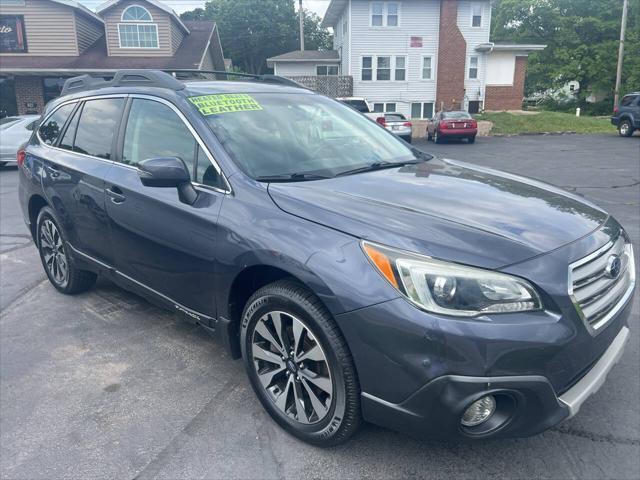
454, 124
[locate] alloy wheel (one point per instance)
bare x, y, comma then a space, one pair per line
624, 128
53, 253
292, 367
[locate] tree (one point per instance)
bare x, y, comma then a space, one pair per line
581, 37
253, 30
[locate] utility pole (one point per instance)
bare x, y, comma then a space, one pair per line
301, 15
623, 28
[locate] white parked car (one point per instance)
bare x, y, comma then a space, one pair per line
358, 103
14, 131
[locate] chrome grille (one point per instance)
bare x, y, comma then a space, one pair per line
596, 293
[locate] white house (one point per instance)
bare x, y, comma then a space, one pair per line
416, 56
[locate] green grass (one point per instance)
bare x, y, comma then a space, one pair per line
511, 123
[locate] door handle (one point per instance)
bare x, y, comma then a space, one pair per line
53, 172
116, 195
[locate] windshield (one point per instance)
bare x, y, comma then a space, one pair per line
283, 134
455, 115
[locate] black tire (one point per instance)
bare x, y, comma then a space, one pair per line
429, 137
471, 139
437, 138
289, 300
73, 280
2, 164
625, 129
408, 139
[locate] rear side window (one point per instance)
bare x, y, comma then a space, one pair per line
97, 126
628, 100
360, 105
67, 139
51, 128
154, 130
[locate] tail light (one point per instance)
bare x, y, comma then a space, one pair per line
381, 121
616, 109
406, 124
444, 125
20, 156
474, 124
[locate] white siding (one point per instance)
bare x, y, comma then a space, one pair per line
341, 40
292, 69
474, 36
418, 18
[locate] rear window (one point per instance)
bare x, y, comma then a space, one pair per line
359, 105
394, 117
628, 100
455, 115
51, 128
98, 123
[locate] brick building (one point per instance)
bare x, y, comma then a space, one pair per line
44, 42
417, 56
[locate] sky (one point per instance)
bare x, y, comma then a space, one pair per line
317, 6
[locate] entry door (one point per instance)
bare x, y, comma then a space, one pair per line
160, 242
474, 106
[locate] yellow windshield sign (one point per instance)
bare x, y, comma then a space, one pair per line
225, 103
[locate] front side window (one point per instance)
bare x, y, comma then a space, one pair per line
401, 68
426, 68
383, 68
50, 130
97, 126
473, 68
367, 68
476, 15
327, 70
154, 130
284, 134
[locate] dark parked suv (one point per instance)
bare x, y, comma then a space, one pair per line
626, 116
357, 277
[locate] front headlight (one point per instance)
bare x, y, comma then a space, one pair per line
450, 288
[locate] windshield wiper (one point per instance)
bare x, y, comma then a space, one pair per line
291, 177
378, 166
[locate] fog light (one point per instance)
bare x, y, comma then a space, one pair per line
479, 411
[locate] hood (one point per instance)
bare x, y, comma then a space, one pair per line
446, 209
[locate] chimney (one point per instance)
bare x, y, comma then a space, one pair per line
452, 56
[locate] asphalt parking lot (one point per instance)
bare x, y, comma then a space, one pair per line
105, 385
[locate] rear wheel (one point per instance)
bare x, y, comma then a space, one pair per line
625, 129
437, 138
54, 253
429, 137
299, 365
471, 139
2, 164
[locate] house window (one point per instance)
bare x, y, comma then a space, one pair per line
377, 14
473, 68
476, 15
136, 13
52, 87
384, 107
137, 32
383, 68
326, 70
426, 68
401, 69
422, 110
367, 70
392, 14
385, 14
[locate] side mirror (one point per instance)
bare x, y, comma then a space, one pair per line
168, 172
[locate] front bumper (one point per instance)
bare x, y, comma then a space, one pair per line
527, 405
615, 120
